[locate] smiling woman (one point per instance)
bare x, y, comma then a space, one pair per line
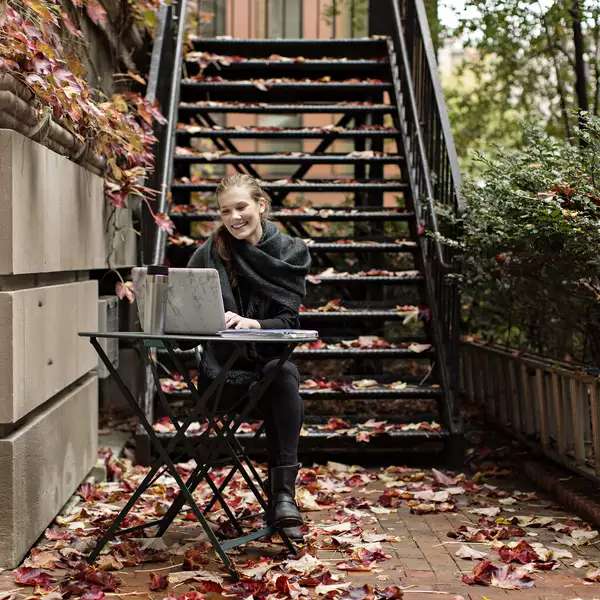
263, 281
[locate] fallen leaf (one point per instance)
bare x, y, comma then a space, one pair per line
158, 582
469, 553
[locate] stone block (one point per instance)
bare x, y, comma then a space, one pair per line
53, 213
41, 465
40, 351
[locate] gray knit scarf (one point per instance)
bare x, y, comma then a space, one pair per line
276, 267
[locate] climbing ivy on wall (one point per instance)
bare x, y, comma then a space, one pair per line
36, 48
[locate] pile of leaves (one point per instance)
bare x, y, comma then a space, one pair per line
119, 129
409, 311
201, 180
193, 129
347, 385
529, 241
342, 505
206, 58
331, 273
265, 84
364, 342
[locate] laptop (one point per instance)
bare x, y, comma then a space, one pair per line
195, 306
194, 300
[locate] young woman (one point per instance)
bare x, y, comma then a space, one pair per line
262, 273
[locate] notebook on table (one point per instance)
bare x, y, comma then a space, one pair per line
288, 334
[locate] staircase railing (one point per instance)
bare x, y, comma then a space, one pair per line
434, 178
163, 85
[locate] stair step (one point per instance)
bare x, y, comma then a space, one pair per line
409, 392
403, 246
400, 277
315, 185
327, 247
317, 438
304, 217
281, 158
195, 131
385, 314
407, 442
360, 352
273, 91
232, 67
186, 108
309, 48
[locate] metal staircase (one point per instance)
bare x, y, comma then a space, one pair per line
383, 289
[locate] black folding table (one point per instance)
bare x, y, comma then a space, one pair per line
215, 446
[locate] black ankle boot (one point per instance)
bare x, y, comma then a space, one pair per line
294, 533
283, 509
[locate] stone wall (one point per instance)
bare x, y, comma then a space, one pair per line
53, 232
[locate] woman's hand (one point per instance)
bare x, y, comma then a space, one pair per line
235, 321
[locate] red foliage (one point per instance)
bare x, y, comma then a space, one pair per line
158, 582
33, 577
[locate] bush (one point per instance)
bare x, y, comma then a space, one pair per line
530, 239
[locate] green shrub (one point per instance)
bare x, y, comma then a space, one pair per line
530, 240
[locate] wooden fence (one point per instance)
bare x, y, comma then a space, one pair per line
551, 406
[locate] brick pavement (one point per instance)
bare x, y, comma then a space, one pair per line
422, 556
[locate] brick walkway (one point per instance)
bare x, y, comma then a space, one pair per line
422, 555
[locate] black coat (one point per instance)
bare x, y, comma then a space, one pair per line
252, 301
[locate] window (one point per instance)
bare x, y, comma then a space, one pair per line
283, 19
348, 18
211, 18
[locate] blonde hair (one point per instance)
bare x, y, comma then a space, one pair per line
221, 237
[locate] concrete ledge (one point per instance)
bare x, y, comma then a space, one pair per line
53, 213
40, 351
41, 465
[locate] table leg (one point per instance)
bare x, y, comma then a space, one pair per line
166, 460
148, 359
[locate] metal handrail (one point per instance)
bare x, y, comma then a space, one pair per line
427, 140
165, 166
441, 111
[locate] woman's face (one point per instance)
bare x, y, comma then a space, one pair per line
241, 214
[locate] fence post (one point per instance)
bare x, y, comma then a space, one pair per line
595, 425
540, 401
577, 419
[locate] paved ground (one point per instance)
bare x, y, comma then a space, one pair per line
378, 528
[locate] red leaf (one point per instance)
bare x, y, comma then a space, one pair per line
164, 222
208, 586
96, 12
194, 558
482, 573
104, 580
522, 553
158, 582
58, 534
125, 290
282, 585
71, 27
94, 593
89, 492
334, 423
392, 592
33, 577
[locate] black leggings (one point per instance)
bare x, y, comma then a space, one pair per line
282, 409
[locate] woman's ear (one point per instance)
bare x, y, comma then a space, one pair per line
262, 205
